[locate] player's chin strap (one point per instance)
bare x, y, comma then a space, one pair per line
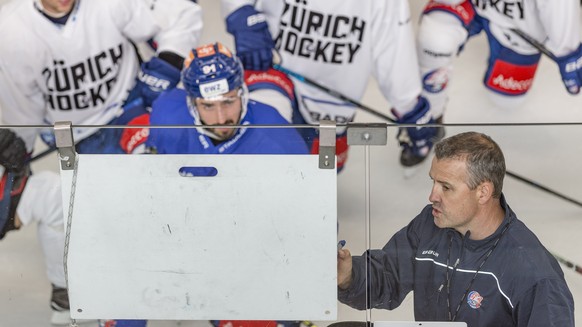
205, 131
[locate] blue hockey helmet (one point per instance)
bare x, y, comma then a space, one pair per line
211, 71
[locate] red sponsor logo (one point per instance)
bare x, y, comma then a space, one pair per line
511, 79
271, 76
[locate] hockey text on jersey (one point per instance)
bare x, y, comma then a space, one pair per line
509, 8
84, 84
322, 37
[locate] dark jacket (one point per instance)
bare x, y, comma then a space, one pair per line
520, 284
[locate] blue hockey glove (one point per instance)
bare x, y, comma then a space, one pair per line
254, 43
571, 70
155, 77
416, 141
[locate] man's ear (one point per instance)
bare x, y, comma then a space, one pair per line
485, 192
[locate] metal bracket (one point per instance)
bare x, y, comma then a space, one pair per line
327, 135
367, 134
65, 144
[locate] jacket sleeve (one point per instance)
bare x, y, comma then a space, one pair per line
547, 303
391, 272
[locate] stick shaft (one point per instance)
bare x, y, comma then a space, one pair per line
568, 264
335, 94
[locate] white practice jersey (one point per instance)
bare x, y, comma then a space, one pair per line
41, 203
554, 23
41, 200
340, 44
82, 71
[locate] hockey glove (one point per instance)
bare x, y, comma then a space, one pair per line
13, 177
155, 77
416, 141
132, 140
12, 151
571, 70
254, 43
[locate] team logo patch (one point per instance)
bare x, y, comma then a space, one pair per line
435, 81
474, 299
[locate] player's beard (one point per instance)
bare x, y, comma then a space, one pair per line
222, 133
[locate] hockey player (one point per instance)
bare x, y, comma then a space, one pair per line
26, 199
214, 93
446, 25
467, 257
338, 46
75, 61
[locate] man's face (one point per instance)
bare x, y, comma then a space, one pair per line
57, 7
225, 111
454, 204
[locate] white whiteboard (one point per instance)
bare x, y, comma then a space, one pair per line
257, 241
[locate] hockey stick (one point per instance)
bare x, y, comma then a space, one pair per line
380, 115
542, 48
568, 264
42, 154
334, 93
543, 188
535, 43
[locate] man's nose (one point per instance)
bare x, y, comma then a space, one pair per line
433, 196
221, 116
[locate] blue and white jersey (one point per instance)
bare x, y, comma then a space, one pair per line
171, 109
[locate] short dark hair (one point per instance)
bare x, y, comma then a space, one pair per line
484, 158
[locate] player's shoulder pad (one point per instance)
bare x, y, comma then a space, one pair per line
170, 108
264, 113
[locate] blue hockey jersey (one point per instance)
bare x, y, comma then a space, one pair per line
520, 284
171, 109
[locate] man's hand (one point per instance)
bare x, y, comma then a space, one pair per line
344, 269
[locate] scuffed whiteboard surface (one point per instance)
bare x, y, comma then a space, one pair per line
257, 241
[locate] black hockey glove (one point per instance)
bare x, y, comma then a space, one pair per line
12, 151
